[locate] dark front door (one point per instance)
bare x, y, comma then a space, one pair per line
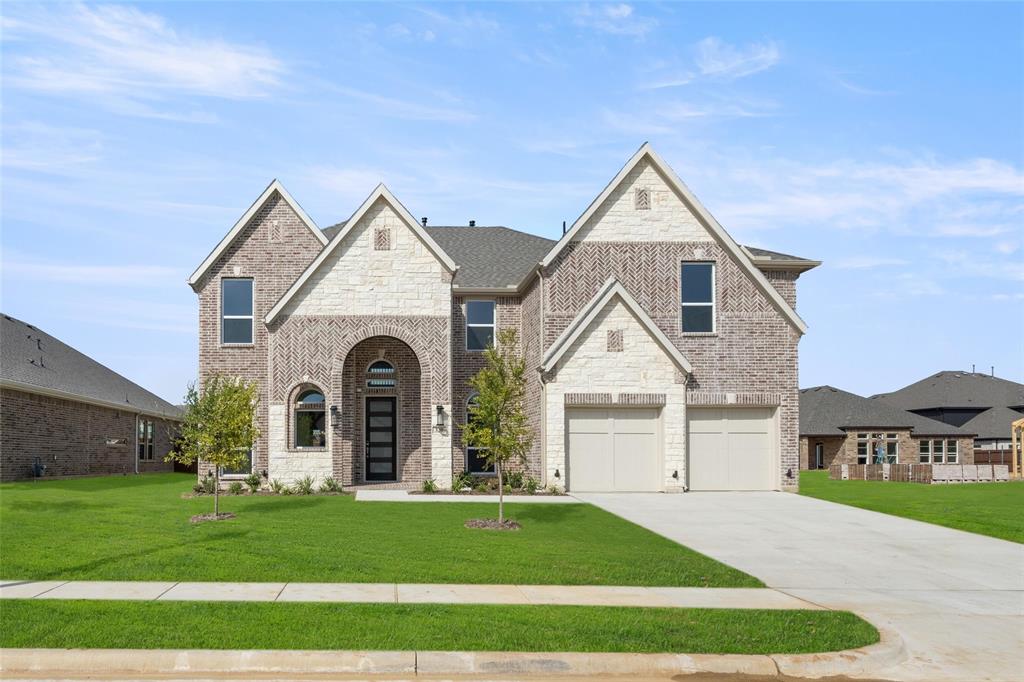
381, 445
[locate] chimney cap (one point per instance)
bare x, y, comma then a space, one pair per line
472, 223
424, 221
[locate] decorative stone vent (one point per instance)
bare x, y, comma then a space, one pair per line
275, 232
642, 199
614, 340
382, 239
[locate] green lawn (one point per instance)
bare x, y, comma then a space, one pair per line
227, 625
987, 508
137, 528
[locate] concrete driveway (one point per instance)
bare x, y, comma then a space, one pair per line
956, 598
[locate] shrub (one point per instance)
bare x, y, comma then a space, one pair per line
429, 486
253, 481
462, 481
209, 484
197, 487
235, 488
287, 490
482, 487
330, 485
514, 479
531, 485
304, 486
277, 487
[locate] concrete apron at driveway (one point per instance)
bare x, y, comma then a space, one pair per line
956, 598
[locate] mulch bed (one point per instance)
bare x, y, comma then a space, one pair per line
199, 518
493, 524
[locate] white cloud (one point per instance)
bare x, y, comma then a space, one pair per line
614, 19
36, 146
721, 60
120, 52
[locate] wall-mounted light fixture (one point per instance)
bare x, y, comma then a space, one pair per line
557, 474
441, 419
789, 474
675, 474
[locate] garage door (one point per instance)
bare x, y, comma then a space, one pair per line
730, 448
613, 450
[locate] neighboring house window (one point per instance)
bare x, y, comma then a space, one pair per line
867, 445
479, 324
243, 470
380, 374
819, 455
940, 451
698, 297
145, 439
310, 419
476, 462
236, 311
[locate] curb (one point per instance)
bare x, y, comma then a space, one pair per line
888, 652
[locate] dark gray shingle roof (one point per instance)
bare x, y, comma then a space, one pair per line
30, 356
825, 411
993, 423
776, 256
956, 389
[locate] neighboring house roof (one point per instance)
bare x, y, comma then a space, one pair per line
712, 225
950, 389
828, 411
236, 229
35, 362
612, 288
773, 260
380, 192
993, 424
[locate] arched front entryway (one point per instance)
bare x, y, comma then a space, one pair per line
385, 414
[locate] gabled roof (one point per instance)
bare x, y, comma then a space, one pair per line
35, 362
828, 411
773, 260
233, 233
994, 423
719, 233
578, 326
491, 257
380, 192
949, 389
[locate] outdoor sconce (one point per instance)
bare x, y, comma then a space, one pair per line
789, 474
264, 473
557, 475
334, 416
675, 474
442, 418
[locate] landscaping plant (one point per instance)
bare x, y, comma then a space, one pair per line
330, 485
429, 486
254, 482
304, 486
497, 419
277, 487
219, 427
462, 481
235, 488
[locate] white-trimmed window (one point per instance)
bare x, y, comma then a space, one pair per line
236, 308
924, 451
867, 448
479, 325
938, 451
697, 289
952, 452
145, 439
381, 375
476, 458
310, 419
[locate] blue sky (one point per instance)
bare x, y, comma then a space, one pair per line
883, 139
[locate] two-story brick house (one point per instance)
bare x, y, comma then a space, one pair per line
662, 354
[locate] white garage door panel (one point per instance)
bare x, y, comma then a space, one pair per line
730, 449
613, 450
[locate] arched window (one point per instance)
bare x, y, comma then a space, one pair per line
380, 374
310, 419
476, 458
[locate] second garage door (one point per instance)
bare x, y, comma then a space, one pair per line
730, 448
613, 450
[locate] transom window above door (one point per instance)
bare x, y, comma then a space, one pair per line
479, 324
697, 289
380, 374
310, 419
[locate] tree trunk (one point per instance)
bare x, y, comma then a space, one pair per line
216, 492
501, 496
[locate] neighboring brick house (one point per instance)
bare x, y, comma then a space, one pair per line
62, 410
983, 404
662, 355
838, 427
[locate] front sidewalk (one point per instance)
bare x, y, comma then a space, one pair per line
401, 593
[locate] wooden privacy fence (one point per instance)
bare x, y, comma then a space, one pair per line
920, 473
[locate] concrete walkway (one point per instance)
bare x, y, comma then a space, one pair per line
578, 595
956, 598
406, 496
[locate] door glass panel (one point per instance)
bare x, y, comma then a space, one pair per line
380, 406
380, 436
378, 452
380, 467
380, 421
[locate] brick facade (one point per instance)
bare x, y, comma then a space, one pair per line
71, 438
843, 449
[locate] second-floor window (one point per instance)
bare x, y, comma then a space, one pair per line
479, 324
697, 286
236, 311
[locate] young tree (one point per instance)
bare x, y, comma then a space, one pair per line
497, 421
219, 427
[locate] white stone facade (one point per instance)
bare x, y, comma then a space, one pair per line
290, 464
359, 279
667, 219
642, 366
